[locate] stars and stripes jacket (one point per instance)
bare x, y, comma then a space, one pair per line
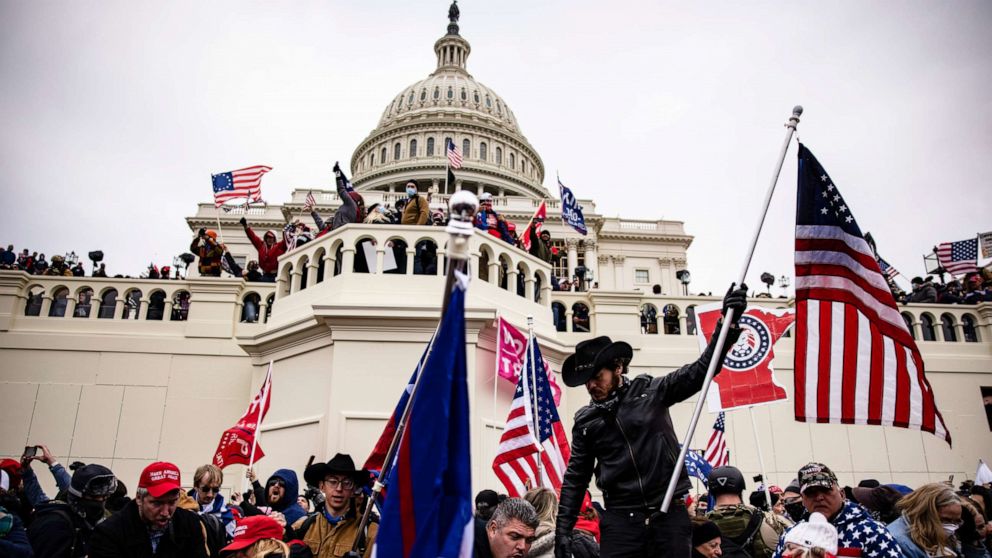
859, 536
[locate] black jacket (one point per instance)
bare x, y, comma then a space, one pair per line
632, 449
124, 535
58, 532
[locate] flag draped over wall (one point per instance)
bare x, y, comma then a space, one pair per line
855, 360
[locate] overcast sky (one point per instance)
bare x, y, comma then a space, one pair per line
115, 113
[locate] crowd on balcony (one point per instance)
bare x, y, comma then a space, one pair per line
973, 289
99, 514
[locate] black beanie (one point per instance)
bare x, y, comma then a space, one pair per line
487, 496
704, 532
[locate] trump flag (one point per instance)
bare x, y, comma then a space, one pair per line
236, 443
747, 377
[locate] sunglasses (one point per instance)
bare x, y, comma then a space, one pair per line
208, 489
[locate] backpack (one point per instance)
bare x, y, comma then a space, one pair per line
741, 545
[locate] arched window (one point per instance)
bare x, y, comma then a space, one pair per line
132, 305
33, 307
396, 151
908, 318
425, 258
107, 304
970, 331
84, 301
649, 319
451, 93
464, 94
926, 324
250, 306
372, 159
671, 319
513, 161
423, 94
409, 99
466, 148
437, 93
690, 320
558, 315
489, 102
523, 165
180, 306
483, 151
382, 156
947, 326
499, 155
475, 96
413, 148
580, 317
60, 300
156, 306
430, 147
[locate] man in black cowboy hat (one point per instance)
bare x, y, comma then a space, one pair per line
625, 436
332, 529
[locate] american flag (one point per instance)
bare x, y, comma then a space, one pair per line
959, 257
516, 457
454, 156
716, 453
855, 360
310, 202
242, 183
887, 269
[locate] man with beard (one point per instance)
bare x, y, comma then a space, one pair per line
63, 529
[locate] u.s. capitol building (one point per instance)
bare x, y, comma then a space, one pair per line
125, 372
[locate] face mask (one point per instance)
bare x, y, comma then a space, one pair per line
950, 528
795, 510
411, 192
91, 511
380, 209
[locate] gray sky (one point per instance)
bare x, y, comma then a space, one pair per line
115, 113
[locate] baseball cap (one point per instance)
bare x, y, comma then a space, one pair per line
160, 478
815, 474
252, 529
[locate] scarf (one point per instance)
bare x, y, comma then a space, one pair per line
610, 403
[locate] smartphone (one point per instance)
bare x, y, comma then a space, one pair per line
30, 451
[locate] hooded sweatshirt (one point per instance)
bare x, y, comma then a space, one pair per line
288, 506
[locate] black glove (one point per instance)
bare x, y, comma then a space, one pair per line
736, 299
201, 232
243, 221
563, 546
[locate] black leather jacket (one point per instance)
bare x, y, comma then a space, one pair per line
633, 449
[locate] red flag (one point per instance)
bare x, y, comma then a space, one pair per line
537, 221
511, 348
747, 377
236, 443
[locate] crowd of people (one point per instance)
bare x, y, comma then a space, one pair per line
36, 264
972, 289
95, 515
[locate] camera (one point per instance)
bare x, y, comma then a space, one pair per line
30, 451
314, 495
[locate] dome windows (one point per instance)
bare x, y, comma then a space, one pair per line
489, 102
483, 151
499, 155
396, 151
513, 161
499, 108
413, 148
382, 157
430, 147
437, 93
372, 159
409, 100
476, 95
451, 93
466, 148
423, 94
464, 94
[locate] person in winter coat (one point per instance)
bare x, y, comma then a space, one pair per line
352, 208
626, 438
546, 505
332, 530
487, 219
13, 538
282, 491
416, 211
859, 534
209, 251
64, 529
152, 525
206, 491
585, 535
269, 251
930, 516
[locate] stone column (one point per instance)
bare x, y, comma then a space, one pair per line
571, 245
511, 279
94, 306
261, 310
296, 281
312, 273
592, 260
46, 305
546, 294
494, 271
568, 320
679, 263
667, 276
281, 289
618, 274
478, 189
167, 313
604, 262
529, 287
142, 309
118, 308
347, 259
70, 306
441, 253
917, 328
411, 254
475, 267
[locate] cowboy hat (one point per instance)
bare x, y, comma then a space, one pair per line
340, 464
591, 356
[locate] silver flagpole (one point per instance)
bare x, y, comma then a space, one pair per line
797, 111
533, 393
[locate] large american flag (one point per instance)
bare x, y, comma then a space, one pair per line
716, 453
516, 457
454, 156
242, 183
959, 257
855, 360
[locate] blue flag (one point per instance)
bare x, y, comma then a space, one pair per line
696, 466
429, 509
571, 211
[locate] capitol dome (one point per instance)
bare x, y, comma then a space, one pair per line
409, 141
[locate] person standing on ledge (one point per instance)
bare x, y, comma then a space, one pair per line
625, 435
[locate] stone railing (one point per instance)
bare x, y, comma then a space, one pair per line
391, 250
217, 304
